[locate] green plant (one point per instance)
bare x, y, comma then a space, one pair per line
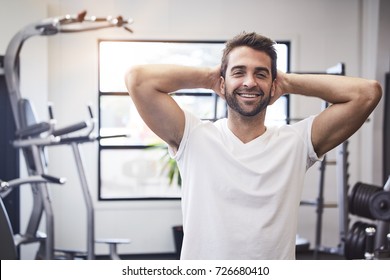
169, 165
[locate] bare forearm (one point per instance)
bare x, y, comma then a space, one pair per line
331, 88
168, 78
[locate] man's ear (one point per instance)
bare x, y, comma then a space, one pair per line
273, 92
273, 88
221, 92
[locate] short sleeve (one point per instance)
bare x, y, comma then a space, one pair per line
190, 122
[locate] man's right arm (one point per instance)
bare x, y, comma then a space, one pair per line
149, 87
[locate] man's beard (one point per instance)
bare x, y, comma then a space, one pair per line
233, 103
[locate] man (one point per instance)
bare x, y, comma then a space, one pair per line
242, 181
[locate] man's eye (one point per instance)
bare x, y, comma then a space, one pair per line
238, 73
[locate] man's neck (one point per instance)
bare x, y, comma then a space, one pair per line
246, 128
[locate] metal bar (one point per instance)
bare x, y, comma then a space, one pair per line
383, 228
46, 203
11, 68
88, 202
320, 208
342, 187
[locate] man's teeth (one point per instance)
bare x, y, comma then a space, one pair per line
248, 95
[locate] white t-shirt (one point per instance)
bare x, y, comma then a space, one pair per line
240, 201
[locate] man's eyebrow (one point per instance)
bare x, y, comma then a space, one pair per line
262, 69
240, 67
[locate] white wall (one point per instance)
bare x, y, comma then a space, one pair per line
322, 33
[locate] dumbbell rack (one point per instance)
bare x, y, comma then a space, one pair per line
369, 238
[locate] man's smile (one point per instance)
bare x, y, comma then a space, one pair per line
249, 95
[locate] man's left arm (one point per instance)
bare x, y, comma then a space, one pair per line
352, 101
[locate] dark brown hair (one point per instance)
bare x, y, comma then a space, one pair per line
254, 41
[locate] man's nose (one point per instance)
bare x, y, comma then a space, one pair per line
249, 81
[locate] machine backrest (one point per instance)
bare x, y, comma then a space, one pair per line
26, 113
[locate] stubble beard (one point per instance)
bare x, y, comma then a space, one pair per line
234, 104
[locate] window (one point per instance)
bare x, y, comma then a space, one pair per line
132, 159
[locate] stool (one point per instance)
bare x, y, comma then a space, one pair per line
113, 243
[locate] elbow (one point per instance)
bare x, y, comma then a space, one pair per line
373, 93
132, 79
368, 96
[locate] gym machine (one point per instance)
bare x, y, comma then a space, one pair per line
9, 243
369, 239
32, 136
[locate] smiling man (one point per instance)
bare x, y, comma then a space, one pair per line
242, 181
